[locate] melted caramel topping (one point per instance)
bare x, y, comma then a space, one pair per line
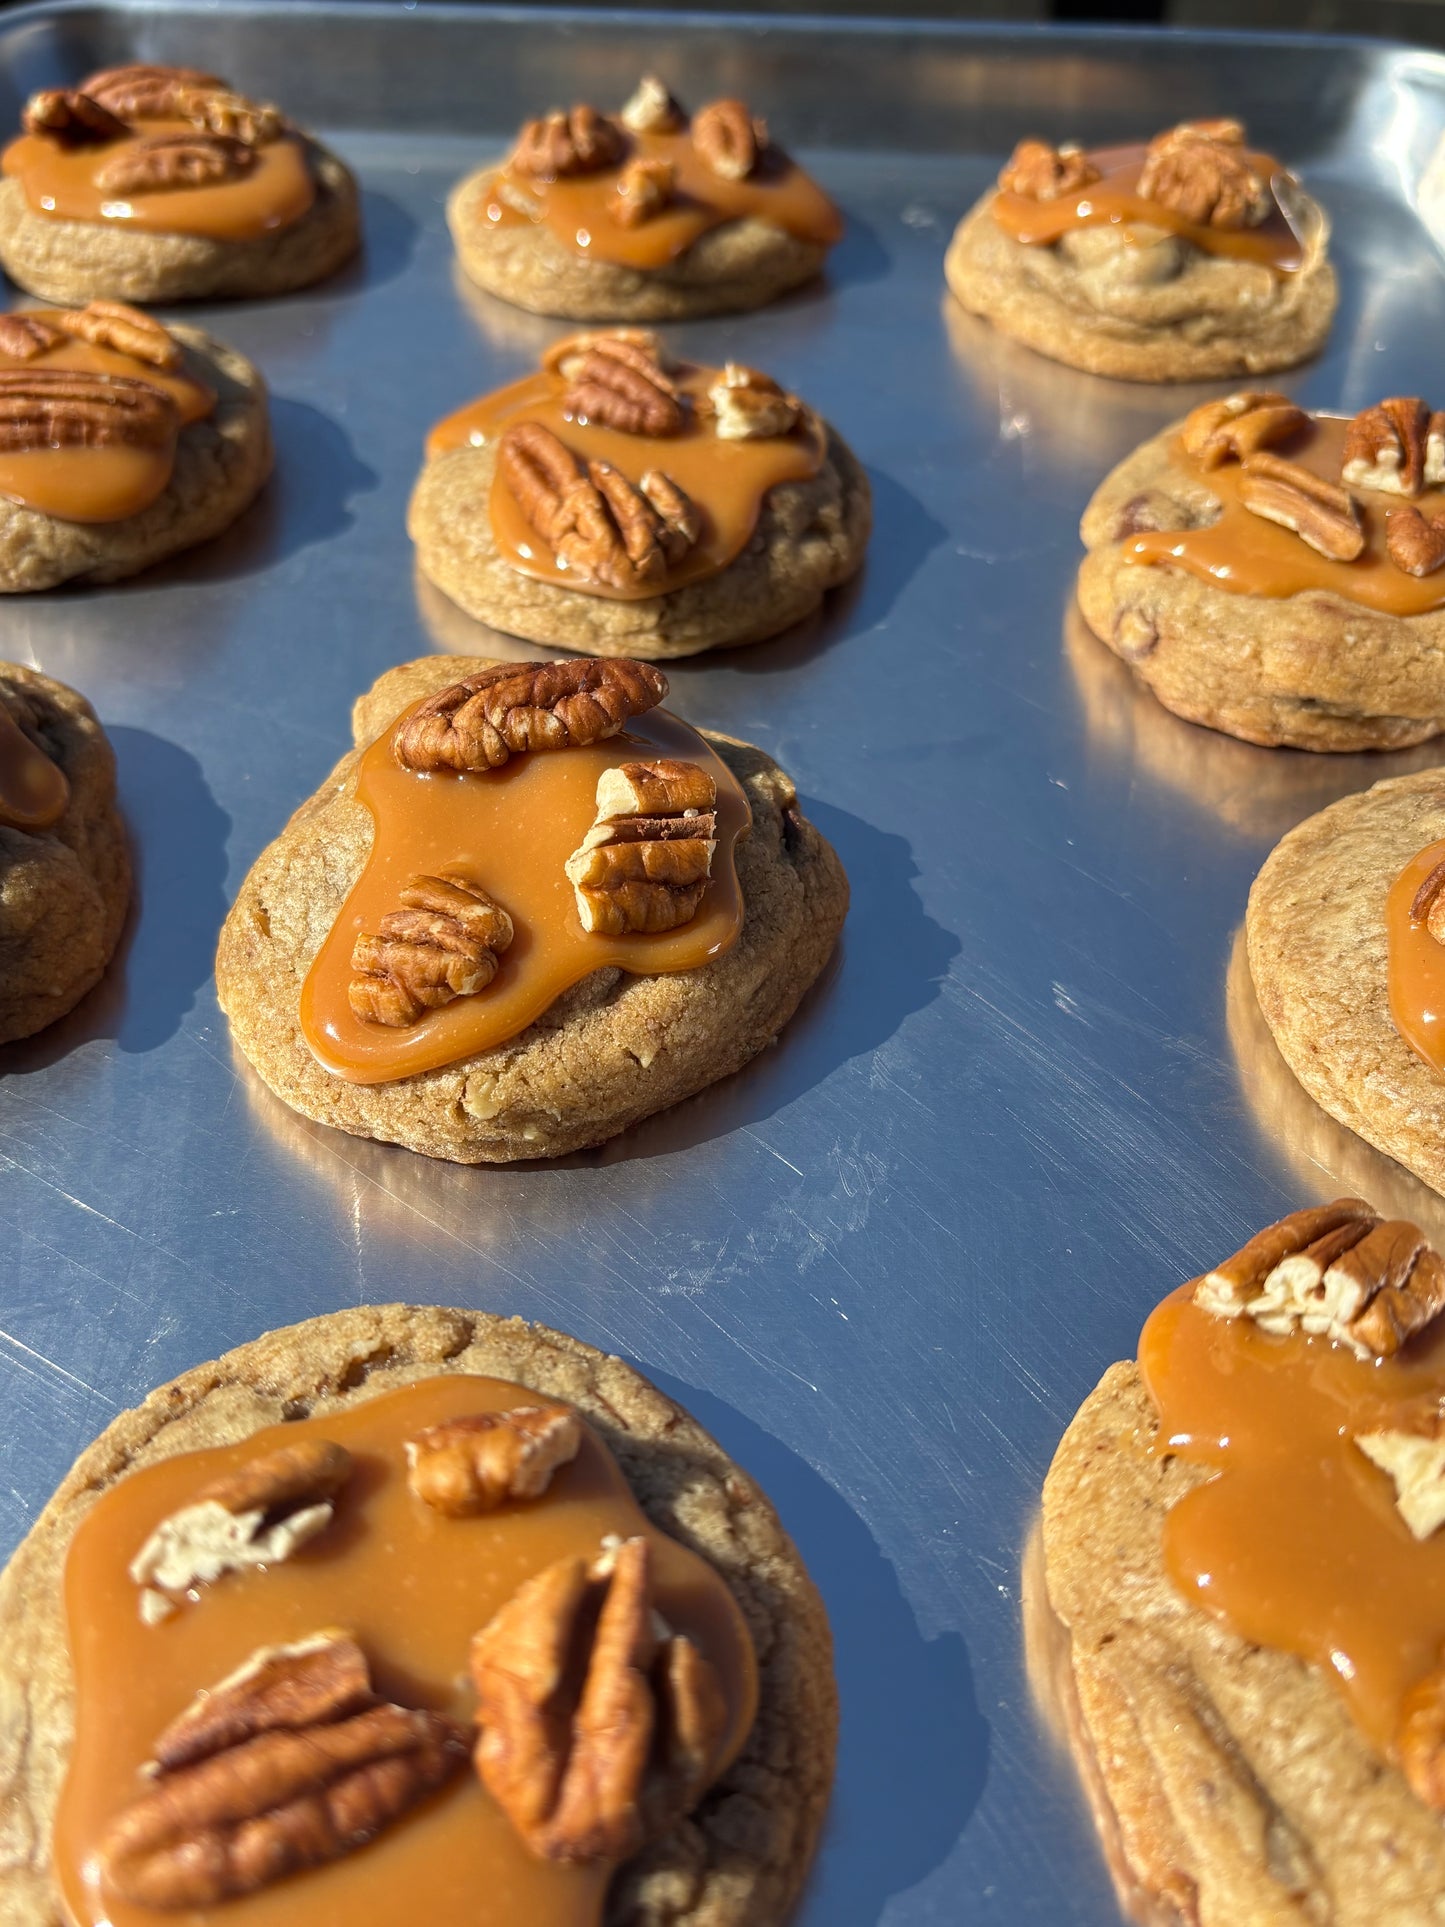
103, 484
33, 790
727, 480
1416, 963
1244, 553
61, 181
1113, 201
413, 1586
1296, 1543
510, 831
577, 214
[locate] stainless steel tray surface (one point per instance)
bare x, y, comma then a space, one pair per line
886, 1262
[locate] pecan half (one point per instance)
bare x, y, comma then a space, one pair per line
24, 336
215, 110
597, 1734
1319, 512
580, 142
617, 382
728, 139
646, 862
652, 109
1415, 1462
161, 161
72, 118
442, 944
1043, 173
112, 324
1428, 905
1201, 171
511, 708
1238, 426
57, 408
142, 91
1415, 542
1420, 1739
1398, 446
474, 1464
644, 188
565, 357
748, 406
597, 523
305, 1765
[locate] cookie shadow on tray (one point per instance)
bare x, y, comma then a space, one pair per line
389, 236
1325, 1158
177, 833
913, 1745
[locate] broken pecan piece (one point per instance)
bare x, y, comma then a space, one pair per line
728, 139
652, 109
24, 336
1428, 905
1397, 446
1420, 1740
646, 862
215, 110
580, 142
58, 408
72, 118
1319, 512
113, 324
598, 1732
142, 91
1415, 1462
316, 1768
644, 188
1043, 173
163, 161
1238, 426
442, 944
474, 1464
618, 383
511, 708
1415, 542
749, 406
1201, 171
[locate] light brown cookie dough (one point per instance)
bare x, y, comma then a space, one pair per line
1141, 302
64, 889
1318, 957
738, 1861
612, 1050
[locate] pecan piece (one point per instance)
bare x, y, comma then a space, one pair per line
162, 161
1415, 542
1043, 173
565, 357
597, 523
72, 118
1428, 906
652, 109
728, 139
24, 336
644, 188
618, 383
145, 92
476, 1463
112, 324
1397, 446
442, 944
1415, 1462
580, 142
749, 406
1201, 171
511, 708
1319, 512
1420, 1739
646, 862
1238, 426
215, 110
57, 408
597, 1732
306, 1765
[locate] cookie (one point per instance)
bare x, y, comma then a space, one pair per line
1268, 572
345, 1390
678, 215
623, 502
222, 196
64, 867
1185, 260
662, 938
1199, 1587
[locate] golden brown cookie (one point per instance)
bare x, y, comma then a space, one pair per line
1189, 259
741, 1855
684, 214
224, 197
64, 867
612, 1048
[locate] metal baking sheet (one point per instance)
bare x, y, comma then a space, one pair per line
886, 1262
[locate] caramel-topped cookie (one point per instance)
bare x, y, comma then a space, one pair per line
164, 184
121, 442
1244, 1556
1280, 574
408, 1610
529, 909
1193, 256
64, 868
625, 502
652, 214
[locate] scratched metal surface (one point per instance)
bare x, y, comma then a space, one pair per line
886, 1262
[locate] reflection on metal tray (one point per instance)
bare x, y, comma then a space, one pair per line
886, 1262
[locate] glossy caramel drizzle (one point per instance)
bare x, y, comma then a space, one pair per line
33, 790
577, 214
727, 480
1416, 966
510, 830
1296, 1544
1113, 201
1242, 552
60, 181
412, 1586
